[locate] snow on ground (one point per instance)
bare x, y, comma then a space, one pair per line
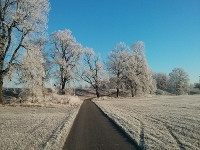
170, 122
35, 127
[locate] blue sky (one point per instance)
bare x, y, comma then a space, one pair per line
169, 28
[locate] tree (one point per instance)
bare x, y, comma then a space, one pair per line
31, 71
179, 81
138, 75
66, 55
112, 83
197, 85
19, 19
161, 80
93, 70
116, 63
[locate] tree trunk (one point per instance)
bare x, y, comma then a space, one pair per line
117, 92
132, 92
118, 81
63, 87
97, 92
1, 89
2, 57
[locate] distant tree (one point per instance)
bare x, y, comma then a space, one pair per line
179, 81
112, 83
93, 70
116, 63
197, 85
138, 74
104, 84
19, 19
161, 80
66, 54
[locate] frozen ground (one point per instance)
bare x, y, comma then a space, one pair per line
35, 127
170, 122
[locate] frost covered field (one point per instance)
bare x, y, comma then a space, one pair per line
171, 122
35, 127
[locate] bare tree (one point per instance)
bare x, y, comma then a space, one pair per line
18, 20
93, 71
116, 63
66, 55
179, 81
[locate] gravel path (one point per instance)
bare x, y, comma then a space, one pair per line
93, 130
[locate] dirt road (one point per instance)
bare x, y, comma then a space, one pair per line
92, 130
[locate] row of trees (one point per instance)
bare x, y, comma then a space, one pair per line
22, 23
35, 59
128, 66
177, 82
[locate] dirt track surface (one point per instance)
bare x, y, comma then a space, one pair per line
92, 130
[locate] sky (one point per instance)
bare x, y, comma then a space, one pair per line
170, 29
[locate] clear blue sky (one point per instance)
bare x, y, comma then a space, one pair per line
169, 28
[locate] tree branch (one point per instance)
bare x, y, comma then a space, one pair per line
15, 51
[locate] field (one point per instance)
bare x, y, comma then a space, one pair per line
166, 122
35, 127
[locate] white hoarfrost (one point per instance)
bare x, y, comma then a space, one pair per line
52, 99
35, 127
93, 71
179, 81
19, 21
116, 64
31, 71
137, 74
66, 54
129, 68
158, 123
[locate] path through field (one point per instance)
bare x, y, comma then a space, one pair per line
93, 130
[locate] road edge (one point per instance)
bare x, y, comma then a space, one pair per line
121, 130
56, 140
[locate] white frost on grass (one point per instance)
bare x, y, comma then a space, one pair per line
51, 100
62, 100
35, 127
170, 122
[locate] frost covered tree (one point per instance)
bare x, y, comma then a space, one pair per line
161, 80
138, 74
32, 71
18, 19
66, 55
131, 76
116, 63
93, 71
179, 81
112, 82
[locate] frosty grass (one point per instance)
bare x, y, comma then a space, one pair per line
35, 127
171, 122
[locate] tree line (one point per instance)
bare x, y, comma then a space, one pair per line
28, 54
